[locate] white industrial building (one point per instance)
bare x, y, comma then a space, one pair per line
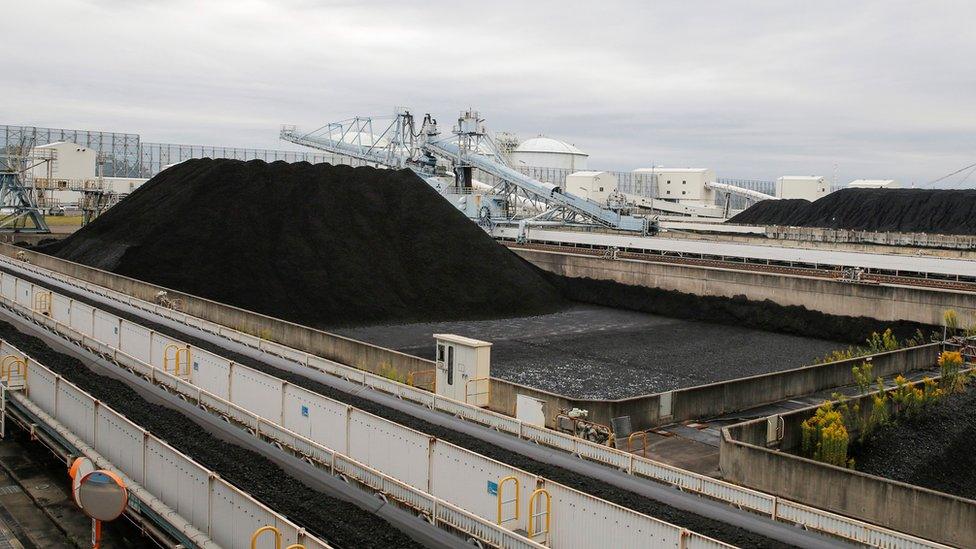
874, 184
806, 187
681, 185
592, 185
546, 152
61, 182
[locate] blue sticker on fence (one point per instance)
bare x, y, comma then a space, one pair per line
492, 488
304, 411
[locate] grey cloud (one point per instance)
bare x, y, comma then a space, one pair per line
757, 89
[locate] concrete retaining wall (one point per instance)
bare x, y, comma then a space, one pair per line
883, 302
331, 346
745, 460
721, 397
946, 245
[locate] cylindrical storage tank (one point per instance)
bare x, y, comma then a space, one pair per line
546, 152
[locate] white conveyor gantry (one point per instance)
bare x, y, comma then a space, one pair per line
400, 146
551, 194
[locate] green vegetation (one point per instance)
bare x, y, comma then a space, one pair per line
826, 435
877, 343
953, 325
950, 366
63, 220
388, 371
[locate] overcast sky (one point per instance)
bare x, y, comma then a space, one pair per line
753, 90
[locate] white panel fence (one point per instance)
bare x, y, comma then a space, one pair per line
225, 515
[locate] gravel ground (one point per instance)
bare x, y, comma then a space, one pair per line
728, 533
337, 521
589, 351
934, 449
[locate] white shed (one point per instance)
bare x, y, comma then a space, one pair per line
683, 185
72, 162
807, 187
596, 186
463, 368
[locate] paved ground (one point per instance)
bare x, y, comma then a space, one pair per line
36, 509
599, 352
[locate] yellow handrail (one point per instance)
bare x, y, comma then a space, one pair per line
177, 353
42, 303
487, 391
533, 516
277, 538
257, 533
630, 442
517, 499
7, 370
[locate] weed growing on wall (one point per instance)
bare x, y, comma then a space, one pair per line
876, 343
825, 436
950, 366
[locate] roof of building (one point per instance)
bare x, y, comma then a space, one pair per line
461, 340
544, 144
589, 173
661, 169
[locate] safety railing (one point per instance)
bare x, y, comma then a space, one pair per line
502, 502
630, 442
175, 357
276, 533
659, 472
42, 302
477, 391
13, 371
540, 521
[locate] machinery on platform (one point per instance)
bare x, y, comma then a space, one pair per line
507, 196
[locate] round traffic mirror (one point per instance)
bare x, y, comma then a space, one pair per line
102, 495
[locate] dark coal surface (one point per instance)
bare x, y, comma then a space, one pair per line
725, 532
933, 449
939, 211
320, 245
735, 311
588, 351
337, 521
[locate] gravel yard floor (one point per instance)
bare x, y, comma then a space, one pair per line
590, 351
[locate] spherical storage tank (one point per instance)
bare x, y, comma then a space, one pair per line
546, 152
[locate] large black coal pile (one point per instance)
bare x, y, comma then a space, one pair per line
933, 449
934, 211
321, 245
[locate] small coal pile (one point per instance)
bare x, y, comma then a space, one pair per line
934, 211
933, 449
319, 244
